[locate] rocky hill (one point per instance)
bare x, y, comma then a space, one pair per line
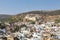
45, 15
48, 15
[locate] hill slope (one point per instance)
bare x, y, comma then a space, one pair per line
49, 15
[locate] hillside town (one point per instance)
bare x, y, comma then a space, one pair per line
33, 27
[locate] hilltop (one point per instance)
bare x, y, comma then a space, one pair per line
54, 12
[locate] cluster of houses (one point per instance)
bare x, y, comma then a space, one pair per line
31, 31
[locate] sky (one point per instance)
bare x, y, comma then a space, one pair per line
19, 6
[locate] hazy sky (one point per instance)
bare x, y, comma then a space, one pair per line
19, 6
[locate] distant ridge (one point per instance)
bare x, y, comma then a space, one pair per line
4, 16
